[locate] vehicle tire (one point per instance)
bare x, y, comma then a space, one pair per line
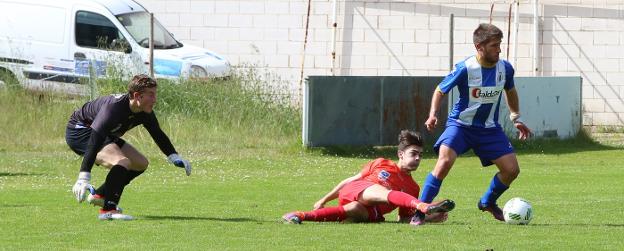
8, 80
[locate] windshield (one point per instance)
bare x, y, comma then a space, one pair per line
137, 24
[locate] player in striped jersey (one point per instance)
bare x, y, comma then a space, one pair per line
473, 121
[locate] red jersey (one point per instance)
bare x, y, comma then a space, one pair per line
386, 173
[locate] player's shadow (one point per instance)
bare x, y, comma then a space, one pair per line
580, 143
577, 225
195, 218
357, 151
13, 205
429, 224
15, 174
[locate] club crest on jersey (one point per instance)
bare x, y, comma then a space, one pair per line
383, 175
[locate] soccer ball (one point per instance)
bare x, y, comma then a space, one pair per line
518, 211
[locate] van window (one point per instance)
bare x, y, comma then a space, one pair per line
138, 24
96, 31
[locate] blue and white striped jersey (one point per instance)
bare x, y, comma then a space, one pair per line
480, 92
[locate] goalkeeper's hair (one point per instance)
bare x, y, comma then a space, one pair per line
139, 83
409, 138
486, 32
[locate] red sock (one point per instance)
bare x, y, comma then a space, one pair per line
402, 199
326, 214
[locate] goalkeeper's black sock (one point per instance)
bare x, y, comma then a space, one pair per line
115, 182
101, 190
130, 175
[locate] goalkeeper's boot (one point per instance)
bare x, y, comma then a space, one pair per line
436, 207
98, 200
493, 209
293, 217
113, 215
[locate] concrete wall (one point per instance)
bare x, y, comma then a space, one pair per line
410, 38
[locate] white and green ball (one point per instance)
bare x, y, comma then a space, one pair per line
518, 211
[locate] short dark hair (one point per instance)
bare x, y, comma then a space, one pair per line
485, 32
409, 138
139, 83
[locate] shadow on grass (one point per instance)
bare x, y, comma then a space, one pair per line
13, 205
15, 174
174, 217
578, 225
580, 143
459, 223
370, 152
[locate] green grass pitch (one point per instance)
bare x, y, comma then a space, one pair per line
247, 174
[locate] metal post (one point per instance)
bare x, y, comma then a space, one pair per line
335, 28
491, 11
451, 52
93, 92
151, 46
515, 33
535, 38
509, 30
451, 28
305, 41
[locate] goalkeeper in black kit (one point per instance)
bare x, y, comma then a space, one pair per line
95, 130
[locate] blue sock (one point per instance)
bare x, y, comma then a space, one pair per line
430, 188
496, 189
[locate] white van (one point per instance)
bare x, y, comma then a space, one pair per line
51, 44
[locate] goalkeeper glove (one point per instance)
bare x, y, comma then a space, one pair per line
82, 186
178, 161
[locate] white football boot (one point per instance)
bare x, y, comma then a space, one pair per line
113, 215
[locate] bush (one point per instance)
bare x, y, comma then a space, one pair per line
204, 114
245, 101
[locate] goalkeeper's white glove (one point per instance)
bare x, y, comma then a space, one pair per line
178, 161
82, 186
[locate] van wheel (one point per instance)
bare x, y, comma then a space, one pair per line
7, 79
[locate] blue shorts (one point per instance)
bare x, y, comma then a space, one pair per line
489, 144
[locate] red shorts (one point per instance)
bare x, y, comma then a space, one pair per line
351, 192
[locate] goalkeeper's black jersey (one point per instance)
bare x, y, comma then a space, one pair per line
110, 116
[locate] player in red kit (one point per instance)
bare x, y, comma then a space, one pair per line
379, 188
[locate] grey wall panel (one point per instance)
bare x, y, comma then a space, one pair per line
365, 110
551, 106
406, 103
342, 111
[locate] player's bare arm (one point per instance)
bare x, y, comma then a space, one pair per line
514, 108
432, 121
333, 194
